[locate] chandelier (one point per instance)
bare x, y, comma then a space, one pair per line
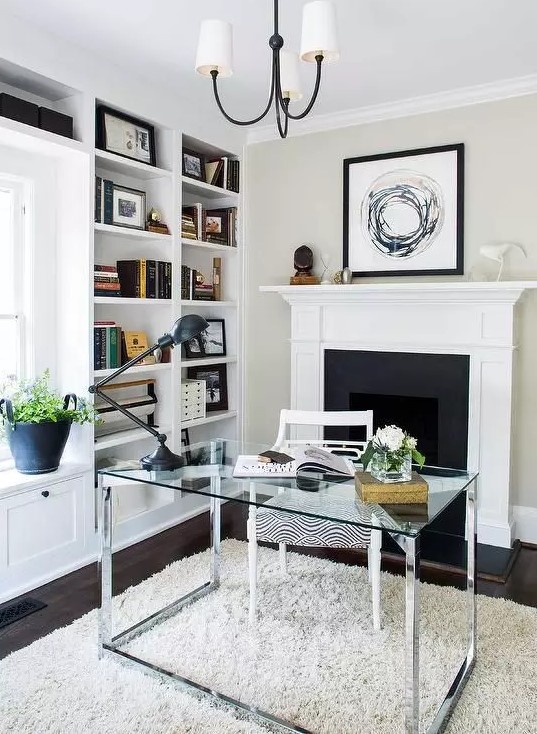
319, 43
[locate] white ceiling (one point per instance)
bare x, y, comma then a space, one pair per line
390, 49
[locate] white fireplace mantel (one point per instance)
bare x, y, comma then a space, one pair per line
473, 318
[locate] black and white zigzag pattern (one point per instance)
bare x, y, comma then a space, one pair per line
313, 529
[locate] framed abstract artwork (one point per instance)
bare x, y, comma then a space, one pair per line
403, 212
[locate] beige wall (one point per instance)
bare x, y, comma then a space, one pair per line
294, 196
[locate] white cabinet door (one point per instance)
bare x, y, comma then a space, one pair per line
41, 534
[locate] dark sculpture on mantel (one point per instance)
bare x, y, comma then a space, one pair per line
303, 262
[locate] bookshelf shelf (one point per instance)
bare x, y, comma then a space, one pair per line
33, 139
128, 167
137, 369
207, 245
123, 437
220, 415
194, 362
200, 303
131, 234
115, 301
206, 190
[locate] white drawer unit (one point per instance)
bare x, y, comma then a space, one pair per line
42, 534
192, 399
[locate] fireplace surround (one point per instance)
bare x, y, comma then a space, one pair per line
476, 321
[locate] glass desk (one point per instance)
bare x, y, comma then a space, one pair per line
211, 465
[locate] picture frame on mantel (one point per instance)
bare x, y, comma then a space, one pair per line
403, 212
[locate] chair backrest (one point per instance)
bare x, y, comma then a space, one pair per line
321, 418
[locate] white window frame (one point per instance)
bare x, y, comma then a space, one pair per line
21, 213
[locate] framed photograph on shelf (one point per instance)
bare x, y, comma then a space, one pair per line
403, 212
193, 165
126, 136
210, 343
128, 207
215, 385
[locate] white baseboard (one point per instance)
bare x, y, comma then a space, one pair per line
525, 523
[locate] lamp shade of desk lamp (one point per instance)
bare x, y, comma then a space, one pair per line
184, 329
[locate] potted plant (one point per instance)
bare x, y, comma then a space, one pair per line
37, 422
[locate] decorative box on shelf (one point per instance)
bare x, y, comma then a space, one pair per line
370, 489
192, 399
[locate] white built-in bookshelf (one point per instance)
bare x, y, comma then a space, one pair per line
79, 244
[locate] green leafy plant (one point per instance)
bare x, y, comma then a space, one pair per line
35, 401
396, 444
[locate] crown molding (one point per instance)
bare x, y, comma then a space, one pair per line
461, 97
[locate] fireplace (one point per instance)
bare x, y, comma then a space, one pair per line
425, 394
457, 327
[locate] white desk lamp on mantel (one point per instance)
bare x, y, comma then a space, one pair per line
498, 252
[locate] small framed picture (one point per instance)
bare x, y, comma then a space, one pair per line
126, 136
128, 207
215, 385
210, 343
193, 165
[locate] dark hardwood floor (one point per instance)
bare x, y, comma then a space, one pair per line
73, 595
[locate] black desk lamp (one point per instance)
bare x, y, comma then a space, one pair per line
162, 459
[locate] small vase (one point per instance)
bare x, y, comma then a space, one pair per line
387, 468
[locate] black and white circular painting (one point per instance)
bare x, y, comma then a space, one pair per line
402, 213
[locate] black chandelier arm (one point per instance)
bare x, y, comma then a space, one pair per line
214, 75
319, 60
282, 130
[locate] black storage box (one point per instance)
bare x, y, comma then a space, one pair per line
19, 109
55, 122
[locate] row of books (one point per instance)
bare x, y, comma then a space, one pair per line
145, 278
210, 225
191, 289
106, 280
108, 345
223, 172
104, 200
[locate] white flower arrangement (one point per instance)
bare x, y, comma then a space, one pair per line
396, 444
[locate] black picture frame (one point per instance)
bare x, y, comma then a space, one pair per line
210, 343
215, 377
193, 165
134, 207
185, 444
126, 136
428, 193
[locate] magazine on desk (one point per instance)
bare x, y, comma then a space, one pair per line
306, 459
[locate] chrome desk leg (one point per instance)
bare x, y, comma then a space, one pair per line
216, 504
471, 610
105, 565
412, 633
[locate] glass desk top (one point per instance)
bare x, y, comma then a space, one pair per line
209, 472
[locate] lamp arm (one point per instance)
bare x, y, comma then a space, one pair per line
214, 74
161, 343
160, 436
319, 60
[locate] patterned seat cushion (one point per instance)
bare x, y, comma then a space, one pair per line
313, 530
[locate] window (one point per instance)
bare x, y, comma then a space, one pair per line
12, 293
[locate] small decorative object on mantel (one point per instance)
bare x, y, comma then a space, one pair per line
371, 489
155, 223
497, 252
303, 262
346, 276
390, 454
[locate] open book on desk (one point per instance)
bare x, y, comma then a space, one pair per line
307, 459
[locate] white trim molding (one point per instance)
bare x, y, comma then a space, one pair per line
472, 318
462, 97
525, 519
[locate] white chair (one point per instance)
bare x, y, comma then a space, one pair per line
272, 525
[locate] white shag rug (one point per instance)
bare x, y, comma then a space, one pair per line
313, 658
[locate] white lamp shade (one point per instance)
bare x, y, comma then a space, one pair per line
289, 75
319, 34
215, 48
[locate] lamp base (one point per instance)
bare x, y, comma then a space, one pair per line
162, 459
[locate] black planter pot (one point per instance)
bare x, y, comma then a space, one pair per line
37, 448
